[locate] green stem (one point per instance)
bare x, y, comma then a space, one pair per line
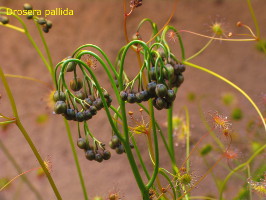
140, 157
155, 140
171, 145
170, 135
231, 84
202, 198
130, 156
201, 50
169, 181
12, 27
46, 47
187, 130
19, 170
160, 132
102, 52
167, 28
142, 187
70, 138
254, 18
26, 136
50, 69
249, 187
7, 122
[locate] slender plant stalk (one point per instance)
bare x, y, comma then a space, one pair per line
187, 139
202, 198
70, 138
254, 18
154, 156
49, 66
169, 181
45, 46
201, 50
140, 158
233, 85
249, 187
171, 144
19, 170
27, 137
12, 27
29, 78
155, 139
170, 134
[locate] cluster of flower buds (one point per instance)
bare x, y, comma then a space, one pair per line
93, 152
83, 102
116, 144
90, 103
163, 80
46, 24
160, 88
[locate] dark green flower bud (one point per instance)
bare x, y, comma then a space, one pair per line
4, 20
93, 110
151, 88
49, 24
41, 21
76, 84
27, 6
106, 155
80, 116
161, 90
131, 98
98, 157
59, 96
90, 155
80, 94
170, 96
123, 95
60, 107
71, 66
87, 115
82, 143
120, 149
70, 114
161, 103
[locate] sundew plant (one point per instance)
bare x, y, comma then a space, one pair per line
132, 109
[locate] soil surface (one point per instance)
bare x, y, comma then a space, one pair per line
101, 23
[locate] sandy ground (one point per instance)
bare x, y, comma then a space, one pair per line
100, 23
